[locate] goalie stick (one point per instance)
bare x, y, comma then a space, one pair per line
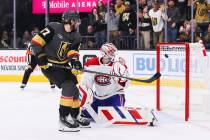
149, 80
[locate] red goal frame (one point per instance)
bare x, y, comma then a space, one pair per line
187, 76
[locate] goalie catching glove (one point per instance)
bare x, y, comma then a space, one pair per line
120, 69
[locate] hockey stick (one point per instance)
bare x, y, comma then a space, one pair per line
149, 80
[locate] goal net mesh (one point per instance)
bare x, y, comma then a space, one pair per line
183, 89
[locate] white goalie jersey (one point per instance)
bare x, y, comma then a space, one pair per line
104, 86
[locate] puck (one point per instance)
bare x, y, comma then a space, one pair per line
166, 55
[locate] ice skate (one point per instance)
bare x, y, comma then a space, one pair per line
68, 124
83, 122
52, 86
23, 86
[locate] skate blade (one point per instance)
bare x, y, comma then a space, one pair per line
84, 126
69, 130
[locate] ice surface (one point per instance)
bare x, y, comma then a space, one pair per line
32, 114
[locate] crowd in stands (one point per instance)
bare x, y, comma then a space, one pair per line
157, 22
21, 42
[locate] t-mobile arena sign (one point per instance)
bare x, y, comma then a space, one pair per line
59, 6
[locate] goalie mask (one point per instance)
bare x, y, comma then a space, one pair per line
108, 51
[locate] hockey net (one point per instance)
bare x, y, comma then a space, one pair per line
183, 89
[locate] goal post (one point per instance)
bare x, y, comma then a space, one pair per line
176, 62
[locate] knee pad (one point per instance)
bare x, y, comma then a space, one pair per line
69, 89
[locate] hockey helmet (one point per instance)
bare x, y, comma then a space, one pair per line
109, 51
70, 15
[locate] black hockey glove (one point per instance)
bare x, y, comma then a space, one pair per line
42, 61
76, 66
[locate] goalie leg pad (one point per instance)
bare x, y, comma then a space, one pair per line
127, 116
85, 96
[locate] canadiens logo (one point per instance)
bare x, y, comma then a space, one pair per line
102, 80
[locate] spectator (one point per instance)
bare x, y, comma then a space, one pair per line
99, 26
132, 2
173, 20
18, 42
145, 27
201, 14
207, 38
34, 30
197, 32
5, 40
142, 4
185, 32
112, 19
127, 26
188, 9
26, 40
208, 2
119, 6
182, 6
157, 16
90, 38
101, 8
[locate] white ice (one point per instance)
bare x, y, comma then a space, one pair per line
32, 114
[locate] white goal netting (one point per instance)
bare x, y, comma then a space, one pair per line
183, 88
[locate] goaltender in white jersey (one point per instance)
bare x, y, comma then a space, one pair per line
108, 91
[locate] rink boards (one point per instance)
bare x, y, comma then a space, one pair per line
141, 64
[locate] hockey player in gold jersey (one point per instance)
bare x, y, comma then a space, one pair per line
58, 43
